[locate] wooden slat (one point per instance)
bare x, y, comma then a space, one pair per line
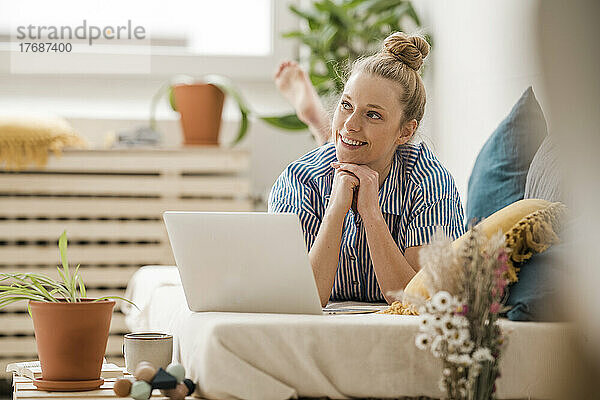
92, 276
28, 391
93, 254
117, 360
91, 293
105, 392
84, 230
211, 186
112, 207
198, 160
25, 346
21, 324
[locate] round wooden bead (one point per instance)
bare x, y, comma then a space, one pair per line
177, 371
145, 372
179, 393
172, 394
140, 390
122, 387
167, 392
181, 390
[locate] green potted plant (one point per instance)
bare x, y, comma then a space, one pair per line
71, 330
200, 103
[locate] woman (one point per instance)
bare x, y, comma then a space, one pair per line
368, 200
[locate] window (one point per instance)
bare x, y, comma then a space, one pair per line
238, 38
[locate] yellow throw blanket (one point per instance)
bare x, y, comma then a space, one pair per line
27, 140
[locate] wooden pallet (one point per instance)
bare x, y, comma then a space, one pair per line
111, 204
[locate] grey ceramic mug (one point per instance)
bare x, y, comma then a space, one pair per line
154, 347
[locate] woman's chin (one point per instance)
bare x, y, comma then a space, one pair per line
345, 156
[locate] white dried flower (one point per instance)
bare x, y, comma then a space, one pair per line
422, 341
447, 325
452, 358
446, 372
452, 348
430, 308
483, 354
460, 321
462, 359
458, 336
425, 323
465, 360
436, 321
467, 346
442, 301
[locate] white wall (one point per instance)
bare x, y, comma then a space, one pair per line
483, 59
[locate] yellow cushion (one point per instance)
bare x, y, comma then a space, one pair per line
507, 221
28, 139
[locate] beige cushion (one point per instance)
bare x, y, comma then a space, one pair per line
27, 139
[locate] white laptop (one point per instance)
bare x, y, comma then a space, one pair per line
243, 262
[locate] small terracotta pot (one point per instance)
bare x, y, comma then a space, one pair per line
71, 338
200, 106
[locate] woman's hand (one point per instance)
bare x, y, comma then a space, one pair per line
368, 192
342, 191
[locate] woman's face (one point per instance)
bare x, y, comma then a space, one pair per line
366, 127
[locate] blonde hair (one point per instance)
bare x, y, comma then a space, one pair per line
400, 60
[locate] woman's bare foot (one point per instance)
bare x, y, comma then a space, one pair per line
294, 84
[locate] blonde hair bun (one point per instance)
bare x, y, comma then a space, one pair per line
410, 50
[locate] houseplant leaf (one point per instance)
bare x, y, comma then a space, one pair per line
288, 122
62, 247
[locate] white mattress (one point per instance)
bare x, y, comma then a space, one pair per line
275, 356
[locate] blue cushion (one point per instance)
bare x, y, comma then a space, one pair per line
534, 297
500, 171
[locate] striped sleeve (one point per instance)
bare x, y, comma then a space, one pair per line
446, 213
436, 201
289, 194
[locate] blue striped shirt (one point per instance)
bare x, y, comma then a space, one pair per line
418, 195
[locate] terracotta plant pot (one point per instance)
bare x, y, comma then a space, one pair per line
71, 338
200, 106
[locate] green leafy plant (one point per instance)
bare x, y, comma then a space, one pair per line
40, 287
337, 32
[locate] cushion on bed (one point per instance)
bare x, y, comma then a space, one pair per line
544, 177
535, 297
500, 170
